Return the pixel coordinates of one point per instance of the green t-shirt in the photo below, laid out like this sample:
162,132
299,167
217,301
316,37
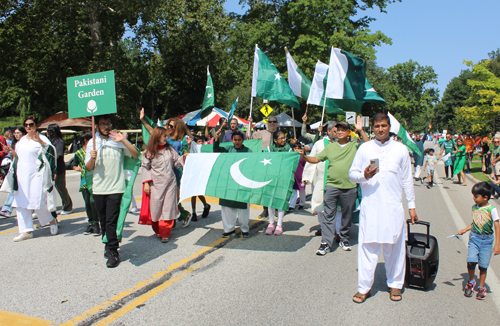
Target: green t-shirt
495,152
109,177
483,218
340,158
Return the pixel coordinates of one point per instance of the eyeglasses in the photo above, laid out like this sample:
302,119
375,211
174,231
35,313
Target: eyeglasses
171,126
496,142
281,138
275,121
106,124
29,125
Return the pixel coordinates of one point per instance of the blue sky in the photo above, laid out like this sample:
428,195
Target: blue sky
437,33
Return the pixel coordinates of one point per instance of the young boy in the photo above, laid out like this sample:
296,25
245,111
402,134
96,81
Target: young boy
79,165
430,161
484,219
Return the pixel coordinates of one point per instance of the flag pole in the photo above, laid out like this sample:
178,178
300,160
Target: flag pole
250,122
323,114
93,132
293,121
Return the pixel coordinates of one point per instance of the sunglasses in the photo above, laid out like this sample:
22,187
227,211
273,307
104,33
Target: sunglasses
496,142
273,121
29,125
171,126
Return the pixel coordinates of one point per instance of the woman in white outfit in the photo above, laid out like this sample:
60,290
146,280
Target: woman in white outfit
34,180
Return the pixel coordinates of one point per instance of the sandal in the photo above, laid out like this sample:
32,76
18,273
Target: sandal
360,297
393,293
165,240
186,221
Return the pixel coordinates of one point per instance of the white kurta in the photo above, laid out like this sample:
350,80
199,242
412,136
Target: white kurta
382,217
30,192
315,175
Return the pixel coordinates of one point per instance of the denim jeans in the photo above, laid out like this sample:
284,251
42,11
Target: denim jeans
8,203
480,249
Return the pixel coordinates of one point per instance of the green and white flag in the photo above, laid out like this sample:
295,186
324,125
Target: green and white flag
403,134
346,80
371,95
255,145
209,99
298,82
317,92
233,109
267,82
256,178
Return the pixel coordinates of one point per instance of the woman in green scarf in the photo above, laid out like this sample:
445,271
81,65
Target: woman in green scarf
458,167
278,145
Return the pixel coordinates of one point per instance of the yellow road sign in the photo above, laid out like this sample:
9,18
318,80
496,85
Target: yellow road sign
265,120
266,110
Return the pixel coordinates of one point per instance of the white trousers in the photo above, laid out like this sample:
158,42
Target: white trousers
295,196
395,263
281,216
418,169
25,220
229,216
337,221
134,203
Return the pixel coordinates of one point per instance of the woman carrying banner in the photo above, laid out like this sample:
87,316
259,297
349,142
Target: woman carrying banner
36,159
278,145
158,177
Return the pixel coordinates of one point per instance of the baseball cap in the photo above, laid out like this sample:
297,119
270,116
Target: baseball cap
343,124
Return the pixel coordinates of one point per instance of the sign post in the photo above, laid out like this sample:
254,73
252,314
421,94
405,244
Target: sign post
91,95
350,117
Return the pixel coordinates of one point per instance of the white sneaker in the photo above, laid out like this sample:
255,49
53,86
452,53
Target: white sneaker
134,210
34,216
66,212
54,229
23,236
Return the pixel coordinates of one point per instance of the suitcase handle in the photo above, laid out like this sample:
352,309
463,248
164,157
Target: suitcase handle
408,222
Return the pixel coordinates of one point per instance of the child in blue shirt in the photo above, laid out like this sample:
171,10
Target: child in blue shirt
484,220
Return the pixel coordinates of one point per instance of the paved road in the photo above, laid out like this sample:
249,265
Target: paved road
200,278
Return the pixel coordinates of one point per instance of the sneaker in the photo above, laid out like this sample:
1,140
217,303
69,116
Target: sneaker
270,229
66,212
96,230
113,259
4,213
228,234
23,236
245,234
481,293
469,288
89,229
345,245
132,210
206,210
264,213
54,229
194,217
317,233
279,230
301,207
291,209
323,249
337,238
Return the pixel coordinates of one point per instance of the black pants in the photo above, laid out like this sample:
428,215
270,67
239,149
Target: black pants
108,209
67,203
90,206
468,162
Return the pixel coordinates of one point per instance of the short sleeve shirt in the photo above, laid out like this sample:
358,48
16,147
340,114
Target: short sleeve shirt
340,160
483,219
109,177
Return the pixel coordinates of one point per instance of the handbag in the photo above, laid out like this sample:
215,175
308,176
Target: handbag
8,181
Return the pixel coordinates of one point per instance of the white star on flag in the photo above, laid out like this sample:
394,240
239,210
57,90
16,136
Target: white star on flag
266,162
209,95
277,76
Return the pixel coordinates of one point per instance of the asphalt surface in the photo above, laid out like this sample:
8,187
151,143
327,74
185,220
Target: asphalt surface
199,278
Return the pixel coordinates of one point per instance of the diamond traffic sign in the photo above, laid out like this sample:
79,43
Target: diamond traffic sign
266,110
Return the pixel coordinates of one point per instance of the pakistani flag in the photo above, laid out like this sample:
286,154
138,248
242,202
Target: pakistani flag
346,80
317,92
209,99
256,178
267,83
403,134
298,82
371,95
233,109
255,145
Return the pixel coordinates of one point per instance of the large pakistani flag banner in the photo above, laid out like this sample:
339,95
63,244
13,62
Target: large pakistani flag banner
209,98
256,178
403,134
298,82
371,94
91,95
317,92
346,80
267,82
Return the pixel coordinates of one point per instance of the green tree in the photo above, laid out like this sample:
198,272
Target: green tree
482,108
408,94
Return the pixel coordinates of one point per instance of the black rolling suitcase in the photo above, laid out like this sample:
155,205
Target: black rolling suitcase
422,258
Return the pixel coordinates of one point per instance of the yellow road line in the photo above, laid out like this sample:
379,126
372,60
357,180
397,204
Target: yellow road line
13,318
146,296
58,218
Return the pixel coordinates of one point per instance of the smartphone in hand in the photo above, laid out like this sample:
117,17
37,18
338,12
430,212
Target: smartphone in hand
374,163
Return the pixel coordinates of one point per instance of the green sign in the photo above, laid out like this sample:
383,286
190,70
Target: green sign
91,95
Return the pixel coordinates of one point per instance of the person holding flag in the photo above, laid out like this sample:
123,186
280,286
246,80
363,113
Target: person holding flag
232,210
158,178
106,161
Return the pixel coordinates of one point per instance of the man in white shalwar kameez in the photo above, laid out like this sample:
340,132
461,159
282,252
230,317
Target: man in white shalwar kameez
382,218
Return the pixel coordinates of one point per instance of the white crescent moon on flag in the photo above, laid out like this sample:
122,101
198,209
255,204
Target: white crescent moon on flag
240,179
